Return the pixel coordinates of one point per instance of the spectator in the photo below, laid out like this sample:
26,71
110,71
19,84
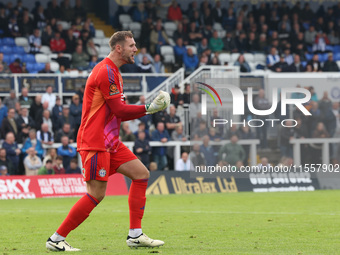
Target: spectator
195,35
147,27
24,99
24,123
310,35
5,66
172,120
176,96
200,131
36,111
195,106
232,152
252,44
57,44
39,18
47,35
159,153
145,66
4,162
56,114
9,124
142,148
75,111
335,146
51,154
11,100
66,151
280,66
174,12
178,134
33,142
79,10
67,12
296,66
15,66
319,132
180,33
262,103
273,57
263,44
143,53
80,59
44,135
66,117
321,40
73,167
47,69
315,63
65,131
93,62
286,134
3,111
243,64
218,12
179,51
187,94
13,29
216,43
58,167
46,119
184,163
139,14
53,10
126,134
4,171
26,25
196,156
70,41
32,162
46,168
157,66
35,41
91,49
208,151
190,61
330,65
229,42
158,37
202,46
12,150
142,127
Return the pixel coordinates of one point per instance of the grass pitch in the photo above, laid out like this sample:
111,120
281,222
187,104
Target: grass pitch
238,223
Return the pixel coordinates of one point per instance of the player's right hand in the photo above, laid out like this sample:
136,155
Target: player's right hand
161,102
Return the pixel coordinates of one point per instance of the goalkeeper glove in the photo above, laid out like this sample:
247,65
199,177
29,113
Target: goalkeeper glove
161,102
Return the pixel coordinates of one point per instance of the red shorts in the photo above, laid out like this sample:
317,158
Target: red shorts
99,165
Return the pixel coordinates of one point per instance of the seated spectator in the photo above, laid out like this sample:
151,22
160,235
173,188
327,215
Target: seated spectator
241,42
190,61
65,117
4,171
176,96
310,35
47,69
196,156
145,66
243,64
9,124
179,51
24,99
13,29
58,167
203,60
159,153
34,41
288,56
51,154
5,162
47,35
139,14
178,134
126,133
208,151
214,61
186,94
47,119
65,131
63,61
231,152
229,42
172,120
66,151
32,162
296,66
174,12
56,113
143,53
91,48
200,131
321,40
273,57
75,111
15,66
195,35
44,135
12,150
216,43
280,66
5,68
11,101
157,66
286,134
47,168
73,167
32,141
57,43
330,65
213,135
142,127
315,63
3,111
142,148
80,58
202,46
158,37
184,163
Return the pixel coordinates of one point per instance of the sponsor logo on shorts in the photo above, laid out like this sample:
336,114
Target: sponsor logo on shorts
83,171
102,172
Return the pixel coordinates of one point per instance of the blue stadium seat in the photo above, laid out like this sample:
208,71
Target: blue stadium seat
7,58
8,41
323,57
309,56
30,67
39,66
28,58
310,49
18,50
6,49
15,56
336,48
329,48
336,56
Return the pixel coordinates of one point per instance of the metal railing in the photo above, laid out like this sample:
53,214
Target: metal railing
323,141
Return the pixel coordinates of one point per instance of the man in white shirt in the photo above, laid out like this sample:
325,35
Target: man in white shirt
49,97
336,146
184,163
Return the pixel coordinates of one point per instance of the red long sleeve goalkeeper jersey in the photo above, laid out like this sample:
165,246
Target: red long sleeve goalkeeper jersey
104,108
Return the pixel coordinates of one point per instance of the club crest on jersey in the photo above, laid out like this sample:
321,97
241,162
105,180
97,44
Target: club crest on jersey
102,172
113,90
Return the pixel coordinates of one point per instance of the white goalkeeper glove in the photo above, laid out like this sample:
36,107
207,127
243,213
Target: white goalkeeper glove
161,102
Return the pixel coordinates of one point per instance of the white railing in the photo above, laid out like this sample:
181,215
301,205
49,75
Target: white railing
325,148
178,144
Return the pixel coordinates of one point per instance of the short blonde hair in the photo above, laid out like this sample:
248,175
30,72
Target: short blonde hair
119,37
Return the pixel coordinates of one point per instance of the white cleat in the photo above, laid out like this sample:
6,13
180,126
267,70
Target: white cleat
143,241
59,246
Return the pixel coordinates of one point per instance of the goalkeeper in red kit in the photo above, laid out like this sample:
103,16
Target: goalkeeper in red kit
101,151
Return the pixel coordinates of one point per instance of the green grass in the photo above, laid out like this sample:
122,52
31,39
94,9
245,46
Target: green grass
238,223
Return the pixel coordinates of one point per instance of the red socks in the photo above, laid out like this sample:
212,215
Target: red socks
78,213
137,202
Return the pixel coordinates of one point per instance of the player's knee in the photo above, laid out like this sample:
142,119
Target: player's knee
147,174
100,197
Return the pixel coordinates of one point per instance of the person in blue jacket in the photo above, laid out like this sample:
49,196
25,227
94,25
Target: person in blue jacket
67,151
190,61
32,141
159,153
